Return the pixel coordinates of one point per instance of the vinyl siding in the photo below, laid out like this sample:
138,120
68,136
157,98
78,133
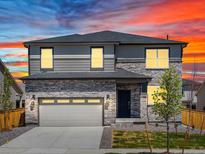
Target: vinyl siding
77,57
71,58
200,98
137,52
64,65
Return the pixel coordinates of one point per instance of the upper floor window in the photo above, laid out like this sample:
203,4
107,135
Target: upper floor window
46,58
157,58
97,58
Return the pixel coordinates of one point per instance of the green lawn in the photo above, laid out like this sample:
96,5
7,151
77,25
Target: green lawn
136,139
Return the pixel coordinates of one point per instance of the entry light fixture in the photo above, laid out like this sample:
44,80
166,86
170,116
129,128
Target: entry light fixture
33,97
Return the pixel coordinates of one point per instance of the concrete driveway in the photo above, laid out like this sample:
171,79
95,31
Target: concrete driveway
57,138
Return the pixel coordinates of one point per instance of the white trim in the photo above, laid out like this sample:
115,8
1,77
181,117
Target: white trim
71,56
34,56
131,58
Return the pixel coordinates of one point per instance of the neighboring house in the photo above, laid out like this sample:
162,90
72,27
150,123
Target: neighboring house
201,98
16,92
96,79
190,88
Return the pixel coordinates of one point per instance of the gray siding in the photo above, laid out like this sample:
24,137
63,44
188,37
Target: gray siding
72,49
138,51
72,58
77,57
200,98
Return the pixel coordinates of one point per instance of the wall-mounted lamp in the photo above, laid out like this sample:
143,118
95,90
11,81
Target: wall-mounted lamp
107,96
33,97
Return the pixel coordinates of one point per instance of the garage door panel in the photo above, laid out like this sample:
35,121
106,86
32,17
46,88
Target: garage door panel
70,115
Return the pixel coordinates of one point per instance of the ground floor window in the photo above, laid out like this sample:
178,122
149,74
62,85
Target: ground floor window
150,92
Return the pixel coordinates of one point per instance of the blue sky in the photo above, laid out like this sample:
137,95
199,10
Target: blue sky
24,20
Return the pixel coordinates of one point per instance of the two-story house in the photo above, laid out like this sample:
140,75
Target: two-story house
97,78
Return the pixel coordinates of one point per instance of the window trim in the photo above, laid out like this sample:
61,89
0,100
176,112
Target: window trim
145,55
96,69
47,69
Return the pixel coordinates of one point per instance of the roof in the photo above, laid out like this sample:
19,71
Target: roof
201,87
106,37
187,82
118,74
15,85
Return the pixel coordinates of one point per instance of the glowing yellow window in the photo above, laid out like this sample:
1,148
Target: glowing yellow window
157,58
150,91
47,58
163,58
78,101
93,100
48,101
96,58
151,58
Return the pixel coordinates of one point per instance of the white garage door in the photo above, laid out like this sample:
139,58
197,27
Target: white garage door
70,112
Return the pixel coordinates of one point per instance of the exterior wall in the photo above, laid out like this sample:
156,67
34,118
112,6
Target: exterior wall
14,96
71,58
138,51
70,88
154,73
135,98
201,98
187,96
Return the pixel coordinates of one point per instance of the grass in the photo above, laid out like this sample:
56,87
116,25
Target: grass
136,139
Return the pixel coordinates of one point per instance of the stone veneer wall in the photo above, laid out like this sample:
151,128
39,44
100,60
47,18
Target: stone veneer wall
70,88
135,98
155,74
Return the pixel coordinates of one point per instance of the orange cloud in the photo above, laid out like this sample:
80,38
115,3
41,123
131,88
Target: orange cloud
197,78
19,74
11,45
169,12
193,57
17,63
22,55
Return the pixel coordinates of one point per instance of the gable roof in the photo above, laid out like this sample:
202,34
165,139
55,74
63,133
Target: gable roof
117,74
15,85
106,37
187,84
201,88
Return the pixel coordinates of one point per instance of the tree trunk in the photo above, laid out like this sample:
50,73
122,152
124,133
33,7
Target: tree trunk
167,136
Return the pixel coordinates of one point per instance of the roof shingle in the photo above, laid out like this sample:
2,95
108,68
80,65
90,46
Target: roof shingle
118,74
106,36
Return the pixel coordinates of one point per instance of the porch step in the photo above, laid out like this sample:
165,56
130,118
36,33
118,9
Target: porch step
127,122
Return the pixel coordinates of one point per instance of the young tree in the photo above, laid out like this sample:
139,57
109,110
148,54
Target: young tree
5,95
167,98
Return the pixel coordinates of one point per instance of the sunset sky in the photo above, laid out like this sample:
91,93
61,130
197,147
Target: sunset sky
24,20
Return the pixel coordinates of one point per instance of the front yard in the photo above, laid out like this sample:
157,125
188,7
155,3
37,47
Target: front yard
137,139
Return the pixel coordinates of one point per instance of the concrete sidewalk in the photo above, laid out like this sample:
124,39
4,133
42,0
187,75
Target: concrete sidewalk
87,151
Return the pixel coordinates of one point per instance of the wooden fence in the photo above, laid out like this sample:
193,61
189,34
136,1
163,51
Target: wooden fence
15,118
197,119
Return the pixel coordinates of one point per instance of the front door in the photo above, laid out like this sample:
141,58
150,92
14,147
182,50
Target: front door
123,103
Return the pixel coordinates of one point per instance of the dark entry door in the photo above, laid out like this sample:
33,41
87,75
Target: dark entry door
123,103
